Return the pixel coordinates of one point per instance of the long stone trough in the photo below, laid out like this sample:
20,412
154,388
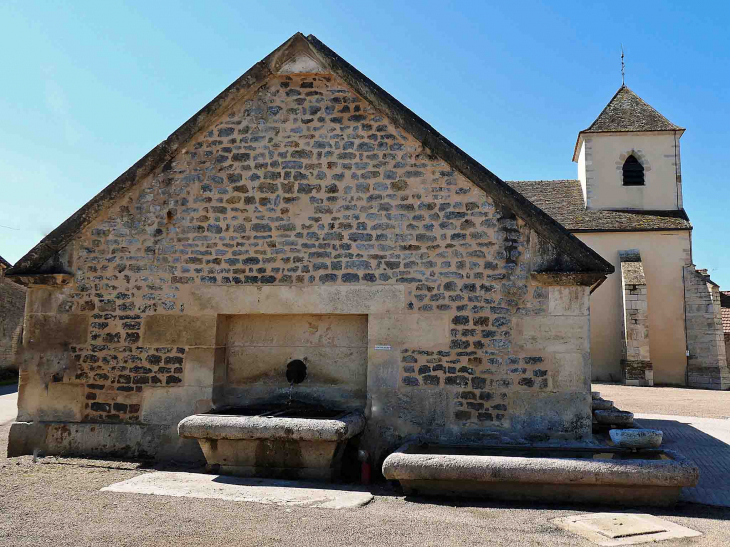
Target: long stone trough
586,475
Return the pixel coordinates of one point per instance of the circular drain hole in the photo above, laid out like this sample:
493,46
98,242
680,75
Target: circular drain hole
296,371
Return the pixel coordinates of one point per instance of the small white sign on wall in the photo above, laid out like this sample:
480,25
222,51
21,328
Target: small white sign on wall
378,346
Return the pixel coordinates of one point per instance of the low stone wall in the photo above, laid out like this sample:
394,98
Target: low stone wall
12,308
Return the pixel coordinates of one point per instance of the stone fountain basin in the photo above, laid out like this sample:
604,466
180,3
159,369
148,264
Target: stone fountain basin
276,443
585,475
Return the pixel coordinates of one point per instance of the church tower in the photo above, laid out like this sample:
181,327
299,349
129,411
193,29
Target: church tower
628,159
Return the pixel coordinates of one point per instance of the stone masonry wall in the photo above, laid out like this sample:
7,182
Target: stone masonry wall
304,199
707,362
12,307
636,364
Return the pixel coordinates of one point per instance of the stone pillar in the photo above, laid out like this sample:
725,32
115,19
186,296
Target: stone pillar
707,365
636,366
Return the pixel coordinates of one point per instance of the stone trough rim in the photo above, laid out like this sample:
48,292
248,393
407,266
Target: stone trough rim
232,427
679,471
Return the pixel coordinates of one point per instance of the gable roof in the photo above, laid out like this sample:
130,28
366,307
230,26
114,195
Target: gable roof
4,263
308,54
563,200
627,112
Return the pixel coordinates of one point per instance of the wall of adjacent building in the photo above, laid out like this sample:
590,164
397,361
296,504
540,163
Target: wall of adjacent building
664,255
707,362
600,171
12,306
303,200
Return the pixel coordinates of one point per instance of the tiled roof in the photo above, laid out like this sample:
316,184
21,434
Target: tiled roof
626,111
4,263
725,303
563,200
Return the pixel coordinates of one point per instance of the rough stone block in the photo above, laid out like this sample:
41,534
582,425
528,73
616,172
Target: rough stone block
179,330
169,405
44,299
383,368
56,401
569,300
48,330
559,334
566,415
111,440
409,330
297,300
572,371
200,367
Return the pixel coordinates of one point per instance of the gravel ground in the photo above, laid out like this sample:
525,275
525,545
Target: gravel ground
667,400
56,501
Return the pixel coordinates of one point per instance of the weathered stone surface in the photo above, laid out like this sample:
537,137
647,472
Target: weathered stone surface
266,491
626,528
602,404
221,426
707,363
619,418
53,402
566,335
48,330
160,442
12,306
569,301
179,330
409,330
636,438
675,472
166,405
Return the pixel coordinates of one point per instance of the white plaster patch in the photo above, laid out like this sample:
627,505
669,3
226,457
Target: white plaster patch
614,529
267,491
301,64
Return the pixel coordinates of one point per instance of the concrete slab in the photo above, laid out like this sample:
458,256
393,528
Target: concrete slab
8,404
267,491
615,529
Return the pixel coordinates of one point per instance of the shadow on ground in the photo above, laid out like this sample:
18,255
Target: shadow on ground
711,455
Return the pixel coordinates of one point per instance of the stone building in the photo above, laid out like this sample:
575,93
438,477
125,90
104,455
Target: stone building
654,322
305,214
725,313
12,308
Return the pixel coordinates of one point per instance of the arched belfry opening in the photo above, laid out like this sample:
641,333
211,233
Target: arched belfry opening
633,172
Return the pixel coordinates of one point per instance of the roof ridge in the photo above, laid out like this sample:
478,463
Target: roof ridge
586,259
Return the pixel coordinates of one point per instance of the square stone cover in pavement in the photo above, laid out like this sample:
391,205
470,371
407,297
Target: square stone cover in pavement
269,491
612,529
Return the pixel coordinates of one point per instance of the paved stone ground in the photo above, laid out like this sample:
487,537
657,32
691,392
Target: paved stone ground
706,441
694,423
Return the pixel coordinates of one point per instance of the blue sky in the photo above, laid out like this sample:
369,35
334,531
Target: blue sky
90,87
